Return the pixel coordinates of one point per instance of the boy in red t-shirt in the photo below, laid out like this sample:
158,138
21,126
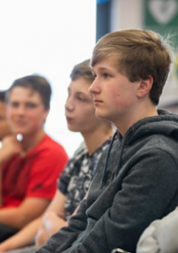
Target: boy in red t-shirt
30,161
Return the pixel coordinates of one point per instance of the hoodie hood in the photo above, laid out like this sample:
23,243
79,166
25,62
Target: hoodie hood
165,123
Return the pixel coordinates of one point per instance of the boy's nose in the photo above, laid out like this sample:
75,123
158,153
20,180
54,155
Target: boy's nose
94,88
20,110
69,105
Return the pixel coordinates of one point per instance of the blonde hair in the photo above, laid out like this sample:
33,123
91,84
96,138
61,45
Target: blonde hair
138,54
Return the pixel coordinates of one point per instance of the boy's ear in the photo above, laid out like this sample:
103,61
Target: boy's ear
144,87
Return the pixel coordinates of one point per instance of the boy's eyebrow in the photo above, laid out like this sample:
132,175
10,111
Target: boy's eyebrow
80,93
104,68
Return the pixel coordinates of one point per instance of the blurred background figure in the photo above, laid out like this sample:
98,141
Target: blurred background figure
29,165
4,127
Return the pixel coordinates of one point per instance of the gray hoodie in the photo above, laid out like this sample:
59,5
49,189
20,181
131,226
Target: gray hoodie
136,182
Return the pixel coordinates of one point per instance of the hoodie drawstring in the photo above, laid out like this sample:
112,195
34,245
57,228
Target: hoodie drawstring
104,178
107,160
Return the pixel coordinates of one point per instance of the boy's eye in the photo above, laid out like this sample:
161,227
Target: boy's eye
106,75
14,104
81,99
30,105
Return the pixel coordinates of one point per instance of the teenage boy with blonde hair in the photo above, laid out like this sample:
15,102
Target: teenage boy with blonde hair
136,180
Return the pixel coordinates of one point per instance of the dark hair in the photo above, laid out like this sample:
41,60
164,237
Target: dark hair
82,70
36,83
3,96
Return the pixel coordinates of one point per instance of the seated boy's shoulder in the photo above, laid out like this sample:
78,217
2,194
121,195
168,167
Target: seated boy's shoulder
50,144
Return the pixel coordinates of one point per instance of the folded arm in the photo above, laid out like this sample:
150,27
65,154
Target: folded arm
18,217
23,238
53,219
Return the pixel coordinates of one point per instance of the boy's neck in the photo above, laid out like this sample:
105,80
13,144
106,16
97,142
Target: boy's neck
95,139
144,111
30,141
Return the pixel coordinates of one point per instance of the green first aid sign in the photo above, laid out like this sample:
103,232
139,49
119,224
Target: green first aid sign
162,16
161,13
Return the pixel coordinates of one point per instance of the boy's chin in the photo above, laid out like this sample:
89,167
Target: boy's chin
99,115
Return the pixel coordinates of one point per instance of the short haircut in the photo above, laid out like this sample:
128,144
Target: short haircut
82,70
35,83
138,54
2,96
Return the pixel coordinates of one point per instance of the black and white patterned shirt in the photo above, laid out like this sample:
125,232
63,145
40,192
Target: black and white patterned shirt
77,175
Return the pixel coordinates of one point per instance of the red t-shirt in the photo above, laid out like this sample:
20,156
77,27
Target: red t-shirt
35,175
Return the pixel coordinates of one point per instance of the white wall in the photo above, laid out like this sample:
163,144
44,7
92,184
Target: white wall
126,14
47,37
